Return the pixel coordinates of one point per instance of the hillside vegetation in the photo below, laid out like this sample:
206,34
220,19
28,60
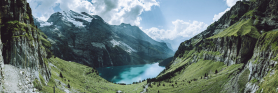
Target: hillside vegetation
237,53
75,77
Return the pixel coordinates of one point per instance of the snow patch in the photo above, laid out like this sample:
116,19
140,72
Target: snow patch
71,16
43,24
76,23
122,45
115,43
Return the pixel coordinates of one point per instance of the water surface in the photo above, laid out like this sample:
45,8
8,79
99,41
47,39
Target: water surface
130,73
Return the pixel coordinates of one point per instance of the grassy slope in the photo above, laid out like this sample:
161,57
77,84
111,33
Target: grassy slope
82,78
270,83
214,83
269,39
242,28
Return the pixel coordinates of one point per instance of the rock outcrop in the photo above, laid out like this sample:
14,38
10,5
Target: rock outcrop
21,45
87,39
1,57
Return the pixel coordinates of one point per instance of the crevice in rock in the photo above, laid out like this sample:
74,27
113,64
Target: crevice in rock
239,45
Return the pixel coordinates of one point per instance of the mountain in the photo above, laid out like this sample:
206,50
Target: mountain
169,45
166,62
88,39
28,65
237,53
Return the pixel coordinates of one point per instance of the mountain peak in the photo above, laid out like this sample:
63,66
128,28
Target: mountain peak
124,24
77,19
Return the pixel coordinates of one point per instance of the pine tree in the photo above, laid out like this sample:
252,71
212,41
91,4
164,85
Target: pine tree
61,75
68,85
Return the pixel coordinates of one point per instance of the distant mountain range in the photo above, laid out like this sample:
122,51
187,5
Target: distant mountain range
89,40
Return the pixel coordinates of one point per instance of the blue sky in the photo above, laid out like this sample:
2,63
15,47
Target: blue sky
162,16
171,10
172,21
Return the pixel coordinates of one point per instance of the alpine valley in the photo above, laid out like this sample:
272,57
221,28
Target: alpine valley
87,39
236,54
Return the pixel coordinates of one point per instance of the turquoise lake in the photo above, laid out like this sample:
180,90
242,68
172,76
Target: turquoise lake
130,73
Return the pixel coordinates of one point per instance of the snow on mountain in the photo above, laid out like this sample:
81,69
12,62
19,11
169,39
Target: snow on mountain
89,40
123,45
75,18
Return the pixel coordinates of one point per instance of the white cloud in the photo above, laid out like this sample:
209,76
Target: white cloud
229,3
218,16
181,29
43,8
112,11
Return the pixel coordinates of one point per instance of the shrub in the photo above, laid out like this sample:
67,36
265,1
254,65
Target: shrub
26,17
61,75
37,84
68,85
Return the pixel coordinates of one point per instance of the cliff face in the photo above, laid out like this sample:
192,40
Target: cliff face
227,46
87,39
21,45
234,36
1,57
244,39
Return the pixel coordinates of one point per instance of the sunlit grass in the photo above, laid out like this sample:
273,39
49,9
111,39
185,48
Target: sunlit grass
82,78
242,28
214,83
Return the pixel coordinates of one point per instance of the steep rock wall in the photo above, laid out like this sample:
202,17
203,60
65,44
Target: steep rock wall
265,55
1,57
227,20
230,50
22,46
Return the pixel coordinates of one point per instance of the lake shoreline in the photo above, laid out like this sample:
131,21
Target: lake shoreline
130,73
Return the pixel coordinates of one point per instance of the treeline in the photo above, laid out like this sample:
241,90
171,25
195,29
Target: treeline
130,84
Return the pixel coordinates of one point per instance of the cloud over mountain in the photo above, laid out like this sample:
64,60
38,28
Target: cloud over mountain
112,11
229,3
181,29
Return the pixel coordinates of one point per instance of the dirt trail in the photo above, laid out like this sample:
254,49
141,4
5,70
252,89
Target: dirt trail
145,89
11,78
17,80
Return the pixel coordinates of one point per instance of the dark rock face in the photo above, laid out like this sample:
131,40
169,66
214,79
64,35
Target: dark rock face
166,61
87,39
21,45
233,50
1,56
264,56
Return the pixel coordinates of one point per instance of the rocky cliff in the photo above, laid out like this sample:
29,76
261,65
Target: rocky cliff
87,39
21,47
243,41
